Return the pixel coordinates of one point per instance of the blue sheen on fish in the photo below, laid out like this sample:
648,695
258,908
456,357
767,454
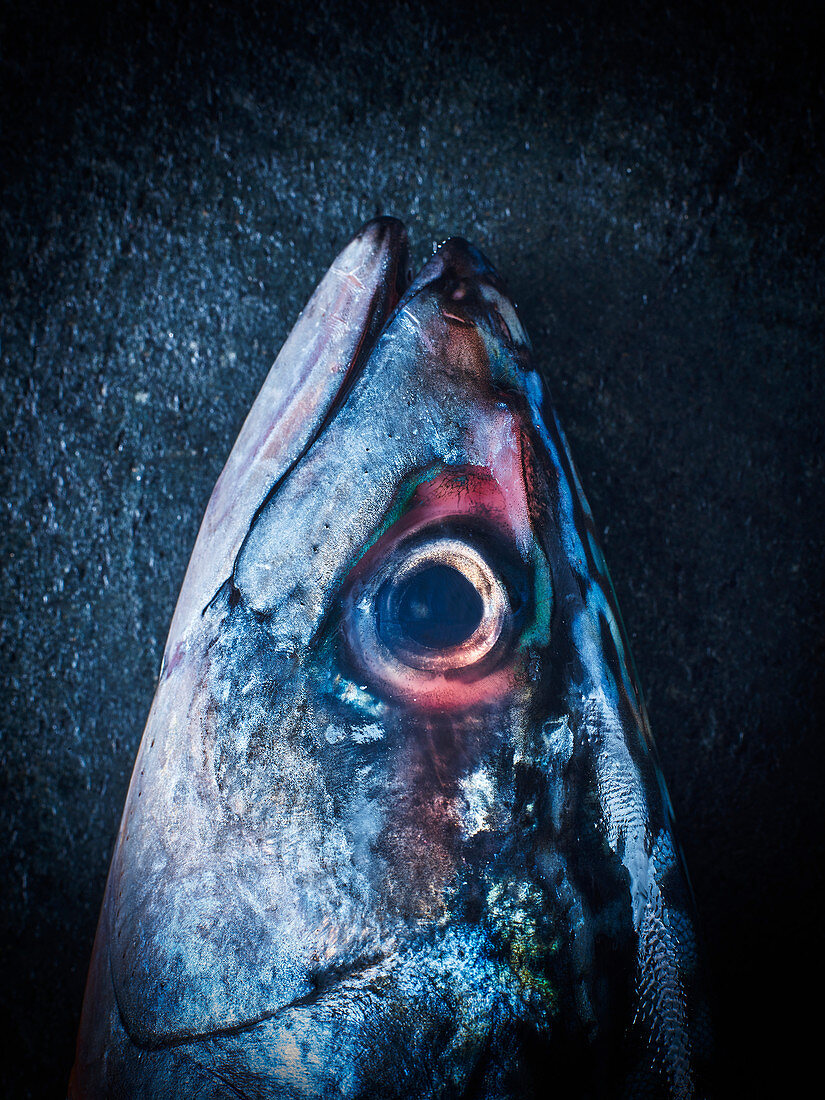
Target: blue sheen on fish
396,827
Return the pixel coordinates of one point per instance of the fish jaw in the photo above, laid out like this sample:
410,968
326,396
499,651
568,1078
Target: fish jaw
322,840
321,356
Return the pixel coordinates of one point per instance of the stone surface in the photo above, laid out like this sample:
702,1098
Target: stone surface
177,177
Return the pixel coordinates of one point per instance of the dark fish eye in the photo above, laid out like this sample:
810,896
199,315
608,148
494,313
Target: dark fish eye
434,607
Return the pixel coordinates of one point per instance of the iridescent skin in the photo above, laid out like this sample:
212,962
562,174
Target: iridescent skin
348,868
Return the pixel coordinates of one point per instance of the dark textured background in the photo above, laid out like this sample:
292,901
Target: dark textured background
176,177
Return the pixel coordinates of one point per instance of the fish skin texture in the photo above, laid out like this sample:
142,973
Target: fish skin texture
350,867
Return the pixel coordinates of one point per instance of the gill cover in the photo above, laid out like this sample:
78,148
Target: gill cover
396,828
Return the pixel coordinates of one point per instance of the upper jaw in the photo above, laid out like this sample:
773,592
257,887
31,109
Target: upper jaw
311,376
470,292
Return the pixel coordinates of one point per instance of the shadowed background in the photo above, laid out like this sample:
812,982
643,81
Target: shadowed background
177,177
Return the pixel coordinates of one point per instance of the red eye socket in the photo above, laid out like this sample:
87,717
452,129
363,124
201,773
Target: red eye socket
431,615
428,624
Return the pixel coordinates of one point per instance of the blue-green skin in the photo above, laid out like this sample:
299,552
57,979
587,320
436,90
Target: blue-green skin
329,892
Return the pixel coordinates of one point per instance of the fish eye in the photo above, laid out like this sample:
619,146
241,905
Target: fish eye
440,607
428,620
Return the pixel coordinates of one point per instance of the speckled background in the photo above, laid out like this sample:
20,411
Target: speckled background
176,177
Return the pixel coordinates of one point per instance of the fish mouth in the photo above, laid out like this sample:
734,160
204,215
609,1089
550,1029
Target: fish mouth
458,258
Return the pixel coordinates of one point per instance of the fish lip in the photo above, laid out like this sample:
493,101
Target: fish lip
390,232
317,366
386,226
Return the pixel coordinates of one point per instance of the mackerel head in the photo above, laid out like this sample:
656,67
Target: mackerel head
396,827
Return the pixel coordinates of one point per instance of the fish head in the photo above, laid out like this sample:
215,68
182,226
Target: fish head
396,827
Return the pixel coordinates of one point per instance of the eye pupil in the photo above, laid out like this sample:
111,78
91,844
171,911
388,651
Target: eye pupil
433,608
436,607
